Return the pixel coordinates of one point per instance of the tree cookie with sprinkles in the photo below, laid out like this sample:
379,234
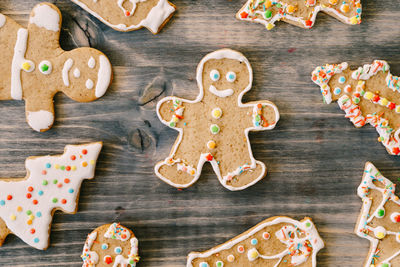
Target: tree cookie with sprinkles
302,13
277,241
214,127
368,95
130,15
35,67
52,183
379,220
110,245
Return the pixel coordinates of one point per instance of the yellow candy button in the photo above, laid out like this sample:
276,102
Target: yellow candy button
369,95
216,113
270,26
211,144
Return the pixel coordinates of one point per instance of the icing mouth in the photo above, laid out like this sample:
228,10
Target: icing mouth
220,93
103,76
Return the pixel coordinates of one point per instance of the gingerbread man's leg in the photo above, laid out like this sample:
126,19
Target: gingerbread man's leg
4,231
39,112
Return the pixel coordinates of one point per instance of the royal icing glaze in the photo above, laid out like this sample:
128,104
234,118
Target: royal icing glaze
355,92
303,13
39,120
301,239
90,258
369,225
156,17
52,183
45,16
179,109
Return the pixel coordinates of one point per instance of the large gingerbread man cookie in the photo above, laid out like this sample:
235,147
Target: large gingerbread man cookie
368,95
379,220
275,242
52,183
214,127
34,66
130,15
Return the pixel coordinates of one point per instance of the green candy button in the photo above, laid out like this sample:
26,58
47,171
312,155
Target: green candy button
268,14
381,213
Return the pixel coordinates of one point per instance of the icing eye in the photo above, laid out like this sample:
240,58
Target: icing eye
231,76
118,250
104,246
45,67
214,75
342,80
337,91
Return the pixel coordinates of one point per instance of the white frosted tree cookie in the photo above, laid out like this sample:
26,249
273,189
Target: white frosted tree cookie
302,13
52,183
130,15
35,67
368,95
111,245
379,220
277,241
214,127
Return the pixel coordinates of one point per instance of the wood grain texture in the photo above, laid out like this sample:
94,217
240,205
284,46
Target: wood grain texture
315,157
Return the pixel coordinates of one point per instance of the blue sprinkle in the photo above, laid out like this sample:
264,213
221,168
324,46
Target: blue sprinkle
48,165
254,241
2,202
40,192
70,190
36,240
38,214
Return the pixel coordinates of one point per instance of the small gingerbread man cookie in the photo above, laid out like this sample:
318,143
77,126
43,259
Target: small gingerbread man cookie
275,242
379,220
302,13
214,127
110,245
27,204
35,67
368,95
130,15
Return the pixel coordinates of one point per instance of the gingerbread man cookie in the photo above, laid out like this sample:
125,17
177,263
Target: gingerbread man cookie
302,13
368,94
214,127
110,245
52,183
35,67
130,15
277,241
379,220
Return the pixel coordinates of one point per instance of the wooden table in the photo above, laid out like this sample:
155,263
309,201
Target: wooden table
315,156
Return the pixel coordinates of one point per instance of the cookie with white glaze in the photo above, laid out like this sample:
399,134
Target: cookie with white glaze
302,13
379,220
111,245
52,183
34,66
214,127
367,95
275,242
130,15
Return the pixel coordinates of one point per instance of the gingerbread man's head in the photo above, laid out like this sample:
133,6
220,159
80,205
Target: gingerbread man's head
218,75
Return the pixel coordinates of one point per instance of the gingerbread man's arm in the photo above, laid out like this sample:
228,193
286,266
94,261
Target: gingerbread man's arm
171,111
262,115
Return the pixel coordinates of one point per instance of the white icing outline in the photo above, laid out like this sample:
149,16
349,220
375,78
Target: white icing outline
65,71
2,20
388,193
87,250
103,76
313,236
219,54
155,18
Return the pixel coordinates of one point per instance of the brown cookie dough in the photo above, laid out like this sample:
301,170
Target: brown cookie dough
110,245
379,220
277,241
130,15
214,127
368,95
35,67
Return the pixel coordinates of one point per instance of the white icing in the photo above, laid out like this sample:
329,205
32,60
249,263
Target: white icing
121,260
133,3
155,18
91,63
89,257
46,168
219,54
77,73
65,71
2,20
214,75
89,84
114,234
371,173
393,216
220,93
103,76
17,62
48,63
40,120
311,236
46,17
231,76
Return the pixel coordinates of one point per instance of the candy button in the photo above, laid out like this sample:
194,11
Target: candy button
104,246
395,217
253,254
28,66
214,129
337,91
380,232
254,241
211,144
204,264
266,235
342,79
290,9
240,249
219,264
369,95
216,113
108,259
333,2
45,67
268,14
270,26
380,213
230,258
345,8
118,250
